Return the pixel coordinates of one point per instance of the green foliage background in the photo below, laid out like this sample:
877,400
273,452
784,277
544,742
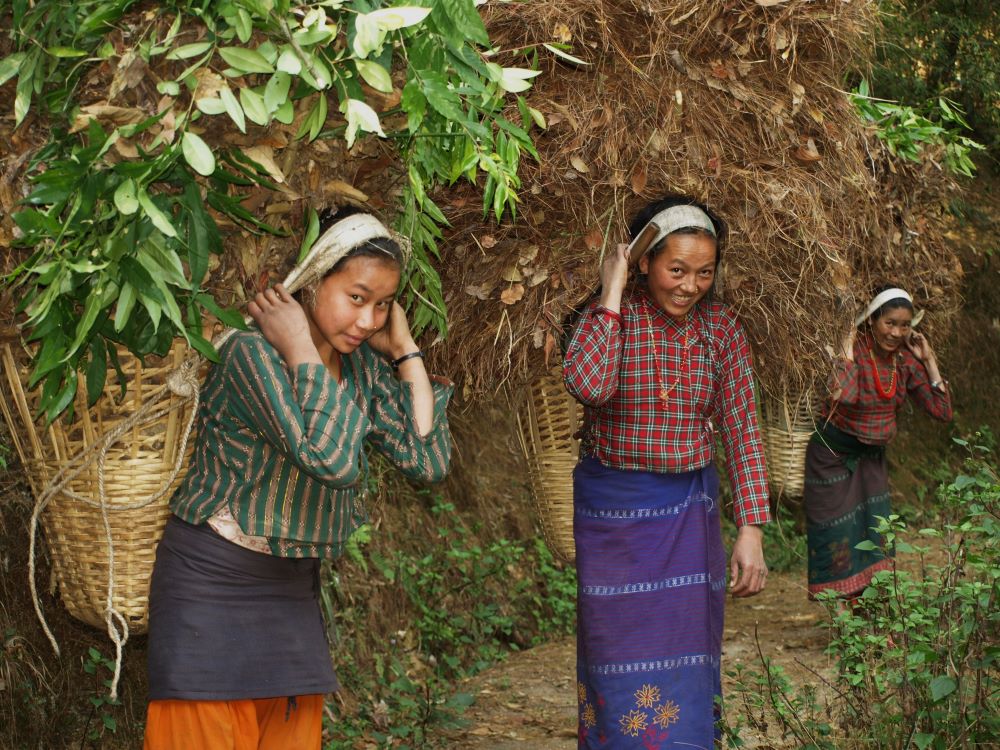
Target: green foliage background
943,48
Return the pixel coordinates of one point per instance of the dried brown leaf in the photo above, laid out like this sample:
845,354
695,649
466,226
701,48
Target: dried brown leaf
639,178
512,294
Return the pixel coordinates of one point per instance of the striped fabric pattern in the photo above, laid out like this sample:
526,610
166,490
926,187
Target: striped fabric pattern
860,410
611,368
283,449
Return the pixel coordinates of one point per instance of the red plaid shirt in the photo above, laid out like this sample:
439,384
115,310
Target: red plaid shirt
610,367
862,412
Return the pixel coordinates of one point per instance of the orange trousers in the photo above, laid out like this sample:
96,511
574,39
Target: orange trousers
263,724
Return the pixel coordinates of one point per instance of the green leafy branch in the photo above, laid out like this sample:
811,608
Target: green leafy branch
906,132
121,222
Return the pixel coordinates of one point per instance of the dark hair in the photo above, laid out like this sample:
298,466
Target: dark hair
383,248
894,304
642,218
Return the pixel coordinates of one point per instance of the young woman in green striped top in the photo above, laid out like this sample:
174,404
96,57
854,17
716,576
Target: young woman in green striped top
238,656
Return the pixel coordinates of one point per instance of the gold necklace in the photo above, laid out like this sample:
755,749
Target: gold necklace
664,392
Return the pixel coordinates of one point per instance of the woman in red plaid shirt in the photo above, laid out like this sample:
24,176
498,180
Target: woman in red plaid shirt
847,483
660,367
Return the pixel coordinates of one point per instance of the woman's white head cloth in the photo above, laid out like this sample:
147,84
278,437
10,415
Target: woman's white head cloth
669,220
880,299
335,243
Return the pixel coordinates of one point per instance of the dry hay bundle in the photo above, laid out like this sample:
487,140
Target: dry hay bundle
738,104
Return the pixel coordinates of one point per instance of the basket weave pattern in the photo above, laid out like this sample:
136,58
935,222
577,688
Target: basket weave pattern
136,468
787,424
547,420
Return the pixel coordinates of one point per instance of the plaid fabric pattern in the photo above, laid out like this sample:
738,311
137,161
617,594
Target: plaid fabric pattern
860,410
611,368
283,448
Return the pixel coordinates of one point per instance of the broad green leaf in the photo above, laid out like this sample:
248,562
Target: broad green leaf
289,62
375,75
517,79
285,114
564,55
269,51
198,154
123,309
312,232
160,220
368,37
276,91
246,60
187,51
211,105
460,21
58,404
228,316
90,310
125,198
442,97
360,117
253,105
25,86
154,308
97,370
162,264
65,52
316,73
316,35
941,687
233,108
538,117
243,25
10,66
414,103
170,88
391,19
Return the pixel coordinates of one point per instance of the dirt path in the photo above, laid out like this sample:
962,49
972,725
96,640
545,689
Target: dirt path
529,701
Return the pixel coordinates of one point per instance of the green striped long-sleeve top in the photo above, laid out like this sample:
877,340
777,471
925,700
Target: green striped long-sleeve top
283,448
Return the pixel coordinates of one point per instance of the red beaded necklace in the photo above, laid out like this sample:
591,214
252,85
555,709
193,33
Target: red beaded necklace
885,394
665,391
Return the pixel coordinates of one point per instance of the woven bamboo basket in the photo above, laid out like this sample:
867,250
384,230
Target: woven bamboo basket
547,420
787,424
136,468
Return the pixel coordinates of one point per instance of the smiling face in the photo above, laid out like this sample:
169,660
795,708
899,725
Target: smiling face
891,330
681,273
353,303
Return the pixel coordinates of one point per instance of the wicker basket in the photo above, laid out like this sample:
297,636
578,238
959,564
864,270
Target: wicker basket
787,425
546,420
136,468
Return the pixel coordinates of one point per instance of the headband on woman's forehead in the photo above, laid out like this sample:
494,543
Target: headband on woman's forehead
880,299
334,244
669,220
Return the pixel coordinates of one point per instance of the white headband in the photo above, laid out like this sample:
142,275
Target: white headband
333,245
669,220
880,299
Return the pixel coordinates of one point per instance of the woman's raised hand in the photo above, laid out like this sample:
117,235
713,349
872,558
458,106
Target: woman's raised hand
284,324
847,346
920,346
614,276
394,338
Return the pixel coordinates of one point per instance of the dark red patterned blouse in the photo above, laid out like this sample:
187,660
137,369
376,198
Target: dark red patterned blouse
612,367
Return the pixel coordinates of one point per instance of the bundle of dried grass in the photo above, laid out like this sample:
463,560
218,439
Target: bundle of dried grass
739,104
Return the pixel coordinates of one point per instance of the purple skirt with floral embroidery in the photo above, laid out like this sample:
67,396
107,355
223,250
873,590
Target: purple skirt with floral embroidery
651,591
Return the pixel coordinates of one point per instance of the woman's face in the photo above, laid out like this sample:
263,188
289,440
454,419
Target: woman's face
892,329
354,302
681,273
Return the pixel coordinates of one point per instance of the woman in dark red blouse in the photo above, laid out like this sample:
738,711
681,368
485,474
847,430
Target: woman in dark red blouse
847,482
660,367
